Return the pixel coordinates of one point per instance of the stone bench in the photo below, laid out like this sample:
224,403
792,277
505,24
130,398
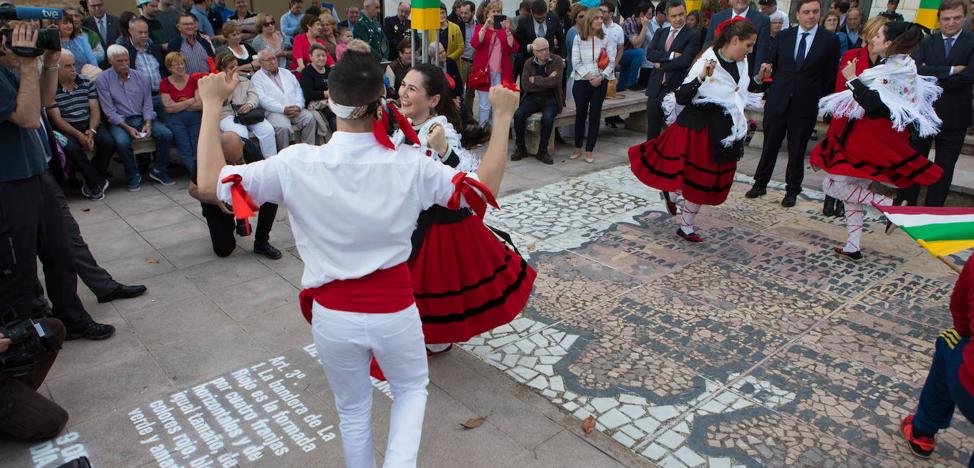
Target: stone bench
627,103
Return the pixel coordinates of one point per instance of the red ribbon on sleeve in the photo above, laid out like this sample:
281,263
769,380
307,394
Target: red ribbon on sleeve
474,191
380,127
243,206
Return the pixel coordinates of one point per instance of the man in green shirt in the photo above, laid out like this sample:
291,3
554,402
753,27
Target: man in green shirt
369,29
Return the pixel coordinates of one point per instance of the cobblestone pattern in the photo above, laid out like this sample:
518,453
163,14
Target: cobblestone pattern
758,347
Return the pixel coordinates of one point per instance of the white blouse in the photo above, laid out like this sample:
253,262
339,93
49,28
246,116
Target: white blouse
585,57
352,203
469,162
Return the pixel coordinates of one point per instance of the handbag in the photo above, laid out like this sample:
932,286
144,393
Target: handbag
603,61
478,78
251,117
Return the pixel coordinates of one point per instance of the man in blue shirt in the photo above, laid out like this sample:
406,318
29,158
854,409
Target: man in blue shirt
291,20
199,10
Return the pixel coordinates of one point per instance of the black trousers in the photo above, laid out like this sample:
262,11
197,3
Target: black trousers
95,170
222,227
654,116
31,226
798,128
588,103
949,143
532,104
26,414
99,281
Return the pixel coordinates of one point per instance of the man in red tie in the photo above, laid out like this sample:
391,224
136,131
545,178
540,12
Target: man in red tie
671,54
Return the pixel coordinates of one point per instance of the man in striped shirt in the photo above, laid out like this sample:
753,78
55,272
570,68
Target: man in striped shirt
77,115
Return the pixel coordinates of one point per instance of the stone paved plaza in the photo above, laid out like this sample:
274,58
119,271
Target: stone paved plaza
759,347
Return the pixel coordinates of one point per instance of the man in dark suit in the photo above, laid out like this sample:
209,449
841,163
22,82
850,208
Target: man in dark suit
949,56
540,23
671,53
761,23
803,65
101,22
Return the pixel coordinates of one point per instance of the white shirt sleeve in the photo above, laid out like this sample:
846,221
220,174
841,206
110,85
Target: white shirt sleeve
297,95
610,47
263,180
268,97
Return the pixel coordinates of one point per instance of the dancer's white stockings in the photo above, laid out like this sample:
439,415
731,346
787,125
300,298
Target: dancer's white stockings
854,192
687,215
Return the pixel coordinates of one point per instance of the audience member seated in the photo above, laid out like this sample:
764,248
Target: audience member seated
107,26
125,96
94,40
148,9
220,220
283,103
243,100
168,17
291,19
200,13
245,55
77,43
146,57
244,19
541,92
272,39
396,70
302,42
197,49
181,102
314,87
76,115
123,28
344,37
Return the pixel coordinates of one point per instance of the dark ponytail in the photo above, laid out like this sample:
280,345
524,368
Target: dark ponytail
435,84
904,37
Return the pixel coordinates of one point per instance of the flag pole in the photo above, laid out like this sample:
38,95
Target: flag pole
949,265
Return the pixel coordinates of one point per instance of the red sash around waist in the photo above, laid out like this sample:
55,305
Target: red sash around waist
380,292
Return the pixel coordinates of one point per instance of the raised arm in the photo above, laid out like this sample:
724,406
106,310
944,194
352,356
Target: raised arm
491,171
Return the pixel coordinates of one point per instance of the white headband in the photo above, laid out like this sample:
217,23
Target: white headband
350,112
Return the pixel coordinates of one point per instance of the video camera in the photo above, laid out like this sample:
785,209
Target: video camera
25,337
47,38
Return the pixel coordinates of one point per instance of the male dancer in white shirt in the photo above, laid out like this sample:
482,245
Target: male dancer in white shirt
353,204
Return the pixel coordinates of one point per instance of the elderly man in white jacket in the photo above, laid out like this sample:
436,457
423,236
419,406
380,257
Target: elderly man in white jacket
283,103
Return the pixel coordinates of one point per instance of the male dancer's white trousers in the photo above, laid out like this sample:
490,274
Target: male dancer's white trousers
346,342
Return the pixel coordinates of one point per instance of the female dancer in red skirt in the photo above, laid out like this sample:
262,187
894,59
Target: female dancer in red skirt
697,156
460,292
868,139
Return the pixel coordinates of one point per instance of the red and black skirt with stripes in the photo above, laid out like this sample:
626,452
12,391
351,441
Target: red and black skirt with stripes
870,148
683,160
466,281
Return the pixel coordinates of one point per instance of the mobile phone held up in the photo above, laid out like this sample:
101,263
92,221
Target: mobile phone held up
498,19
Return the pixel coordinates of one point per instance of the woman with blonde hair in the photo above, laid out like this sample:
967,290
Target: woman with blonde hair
865,58
329,34
244,54
268,37
493,44
180,100
593,60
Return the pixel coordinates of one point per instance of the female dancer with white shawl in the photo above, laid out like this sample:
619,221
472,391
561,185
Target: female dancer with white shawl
697,156
460,291
874,144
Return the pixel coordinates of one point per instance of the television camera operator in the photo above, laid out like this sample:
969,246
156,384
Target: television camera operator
29,221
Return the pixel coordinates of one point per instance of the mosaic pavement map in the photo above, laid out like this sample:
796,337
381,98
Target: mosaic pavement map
759,347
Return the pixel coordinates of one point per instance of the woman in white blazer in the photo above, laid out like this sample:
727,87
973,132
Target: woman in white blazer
593,60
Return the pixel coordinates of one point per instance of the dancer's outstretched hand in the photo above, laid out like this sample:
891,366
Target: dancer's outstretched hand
504,101
216,89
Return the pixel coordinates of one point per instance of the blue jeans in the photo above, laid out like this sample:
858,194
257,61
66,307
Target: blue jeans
943,391
157,107
185,128
632,59
123,145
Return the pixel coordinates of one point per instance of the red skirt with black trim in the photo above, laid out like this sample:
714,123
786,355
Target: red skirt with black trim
465,280
681,160
873,149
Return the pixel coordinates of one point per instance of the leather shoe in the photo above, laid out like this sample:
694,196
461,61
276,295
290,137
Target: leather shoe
266,249
756,192
519,154
544,157
91,331
839,209
123,292
828,208
789,200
